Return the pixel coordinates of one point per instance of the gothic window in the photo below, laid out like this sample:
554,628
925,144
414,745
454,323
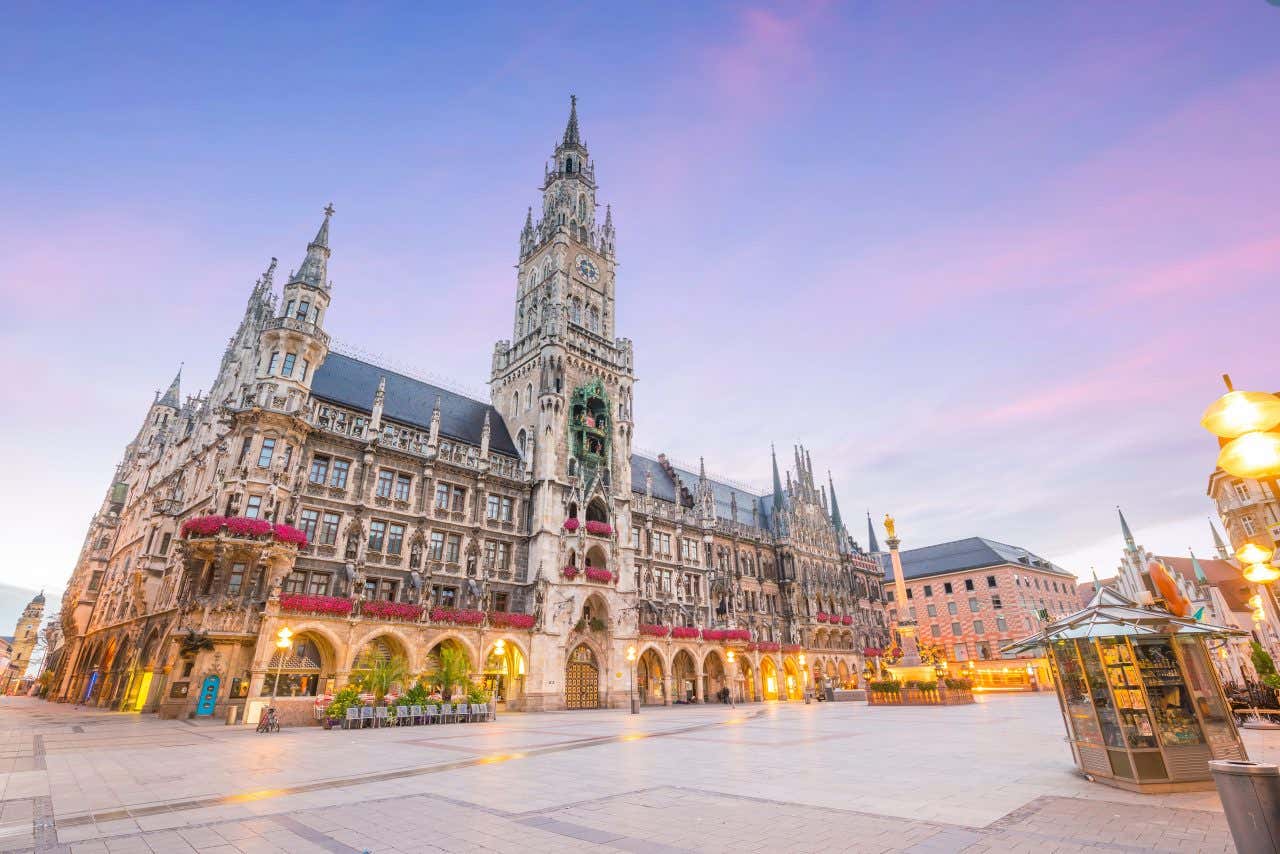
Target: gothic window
575,311
593,318
582,207
528,397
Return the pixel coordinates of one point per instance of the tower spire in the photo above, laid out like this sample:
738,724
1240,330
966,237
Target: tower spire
836,521
1218,544
571,136
872,545
1124,529
314,270
172,395
777,481
1201,578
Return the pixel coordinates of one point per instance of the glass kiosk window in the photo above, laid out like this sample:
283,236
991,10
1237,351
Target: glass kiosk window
1204,693
1170,699
1126,687
1106,711
1084,726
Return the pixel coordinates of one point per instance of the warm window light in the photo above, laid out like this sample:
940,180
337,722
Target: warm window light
1254,455
1261,573
1253,553
1240,412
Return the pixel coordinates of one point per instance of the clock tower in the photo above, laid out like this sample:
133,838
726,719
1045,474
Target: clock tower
563,384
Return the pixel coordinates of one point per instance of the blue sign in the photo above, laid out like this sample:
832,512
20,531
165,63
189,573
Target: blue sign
208,696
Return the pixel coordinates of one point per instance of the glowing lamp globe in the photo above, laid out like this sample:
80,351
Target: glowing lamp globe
1261,573
1240,412
1253,455
1253,553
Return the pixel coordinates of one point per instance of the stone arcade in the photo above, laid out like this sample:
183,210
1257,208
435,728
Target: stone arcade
432,518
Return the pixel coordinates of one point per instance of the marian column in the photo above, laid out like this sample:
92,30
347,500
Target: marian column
906,625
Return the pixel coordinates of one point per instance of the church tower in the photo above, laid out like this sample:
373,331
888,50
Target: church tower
563,384
25,637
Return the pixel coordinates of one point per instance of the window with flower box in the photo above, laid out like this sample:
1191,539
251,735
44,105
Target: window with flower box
329,529
445,597
318,584
296,582
253,507
340,471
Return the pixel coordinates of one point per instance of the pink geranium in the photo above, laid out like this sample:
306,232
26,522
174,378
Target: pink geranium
600,529
654,631
571,524
510,620
599,576
289,534
822,617
457,616
847,620
569,572
684,632
305,604
391,610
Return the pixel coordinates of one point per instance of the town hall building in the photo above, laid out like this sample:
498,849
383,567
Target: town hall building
375,514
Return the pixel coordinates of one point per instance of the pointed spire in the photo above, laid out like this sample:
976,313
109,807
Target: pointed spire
485,433
528,221
777,481
315,267
1097,585
1201,578
1218,544
608,217
872,545
171,397
571,129
836,521
1124,528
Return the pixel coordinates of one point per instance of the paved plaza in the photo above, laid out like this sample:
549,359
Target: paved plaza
995,776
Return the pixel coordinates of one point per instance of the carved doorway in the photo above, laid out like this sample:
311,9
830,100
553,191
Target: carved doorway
582,680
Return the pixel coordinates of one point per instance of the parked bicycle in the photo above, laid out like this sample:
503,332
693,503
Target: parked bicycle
269,722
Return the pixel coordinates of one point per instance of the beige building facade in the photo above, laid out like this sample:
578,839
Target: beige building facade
373,514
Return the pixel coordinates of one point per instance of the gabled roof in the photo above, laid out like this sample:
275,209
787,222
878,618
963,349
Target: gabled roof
967,554
351,382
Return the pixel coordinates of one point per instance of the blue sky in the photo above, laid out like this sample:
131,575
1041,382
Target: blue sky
987,261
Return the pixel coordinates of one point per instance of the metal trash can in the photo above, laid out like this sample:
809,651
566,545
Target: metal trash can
1250,793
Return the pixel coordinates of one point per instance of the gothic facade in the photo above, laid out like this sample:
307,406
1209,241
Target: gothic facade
525,531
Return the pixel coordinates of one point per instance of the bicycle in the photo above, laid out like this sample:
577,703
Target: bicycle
269,722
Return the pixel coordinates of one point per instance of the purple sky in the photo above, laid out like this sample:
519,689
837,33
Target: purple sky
986,261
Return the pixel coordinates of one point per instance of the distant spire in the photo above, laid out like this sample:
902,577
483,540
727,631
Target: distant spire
528,220
315,267
777,481
608,217
1124,528
571,130
836,521
1201,578
872,545
1218,544
1097,585
171,397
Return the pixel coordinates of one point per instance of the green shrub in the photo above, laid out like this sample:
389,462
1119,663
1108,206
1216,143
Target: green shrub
957,684
1265,667
927,686
888,686
476,694
343,700
418,695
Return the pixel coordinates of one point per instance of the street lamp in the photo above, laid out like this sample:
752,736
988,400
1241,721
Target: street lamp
631,671
728,677
284,641
1257,563
1245,423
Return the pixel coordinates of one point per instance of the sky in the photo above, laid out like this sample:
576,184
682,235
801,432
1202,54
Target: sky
987,261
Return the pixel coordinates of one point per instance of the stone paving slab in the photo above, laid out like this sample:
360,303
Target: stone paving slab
995,776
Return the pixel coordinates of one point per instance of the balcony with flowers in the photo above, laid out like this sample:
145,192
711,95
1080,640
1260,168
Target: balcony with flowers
326,606
202,535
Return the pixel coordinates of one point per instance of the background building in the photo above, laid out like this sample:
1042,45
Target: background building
971,597
434,519
26,636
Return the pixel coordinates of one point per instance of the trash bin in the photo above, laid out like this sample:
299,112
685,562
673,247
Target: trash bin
1250,793
233,712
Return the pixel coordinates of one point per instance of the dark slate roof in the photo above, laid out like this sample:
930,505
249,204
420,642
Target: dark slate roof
351,382
966,554
722,493
663,487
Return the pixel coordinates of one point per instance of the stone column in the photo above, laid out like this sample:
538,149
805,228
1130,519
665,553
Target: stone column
906,626
666,689
699,691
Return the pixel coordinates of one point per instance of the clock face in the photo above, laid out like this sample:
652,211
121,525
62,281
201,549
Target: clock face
587,269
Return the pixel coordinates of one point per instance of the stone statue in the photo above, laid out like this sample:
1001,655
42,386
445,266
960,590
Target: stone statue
889,527
539,601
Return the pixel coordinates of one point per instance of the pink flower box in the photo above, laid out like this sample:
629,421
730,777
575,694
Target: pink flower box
767,646
654,631
571,524
299,603
569,572
600,529
242,526
791,647
510,620
391,610
737,634
457,616
599,576
873,652
847,620
685,632
822,618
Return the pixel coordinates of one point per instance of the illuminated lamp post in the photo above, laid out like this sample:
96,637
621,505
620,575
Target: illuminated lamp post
284,641
804,678
729,678
631,671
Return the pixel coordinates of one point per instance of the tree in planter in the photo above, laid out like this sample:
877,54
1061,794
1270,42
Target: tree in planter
1264,666
449,668
383,675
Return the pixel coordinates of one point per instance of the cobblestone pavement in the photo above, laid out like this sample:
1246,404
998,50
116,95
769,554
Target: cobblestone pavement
995,776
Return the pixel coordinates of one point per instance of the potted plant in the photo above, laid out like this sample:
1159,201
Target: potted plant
449,668
336,711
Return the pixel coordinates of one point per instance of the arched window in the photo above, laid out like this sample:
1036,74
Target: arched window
528,397
593,318
575,311
582,207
